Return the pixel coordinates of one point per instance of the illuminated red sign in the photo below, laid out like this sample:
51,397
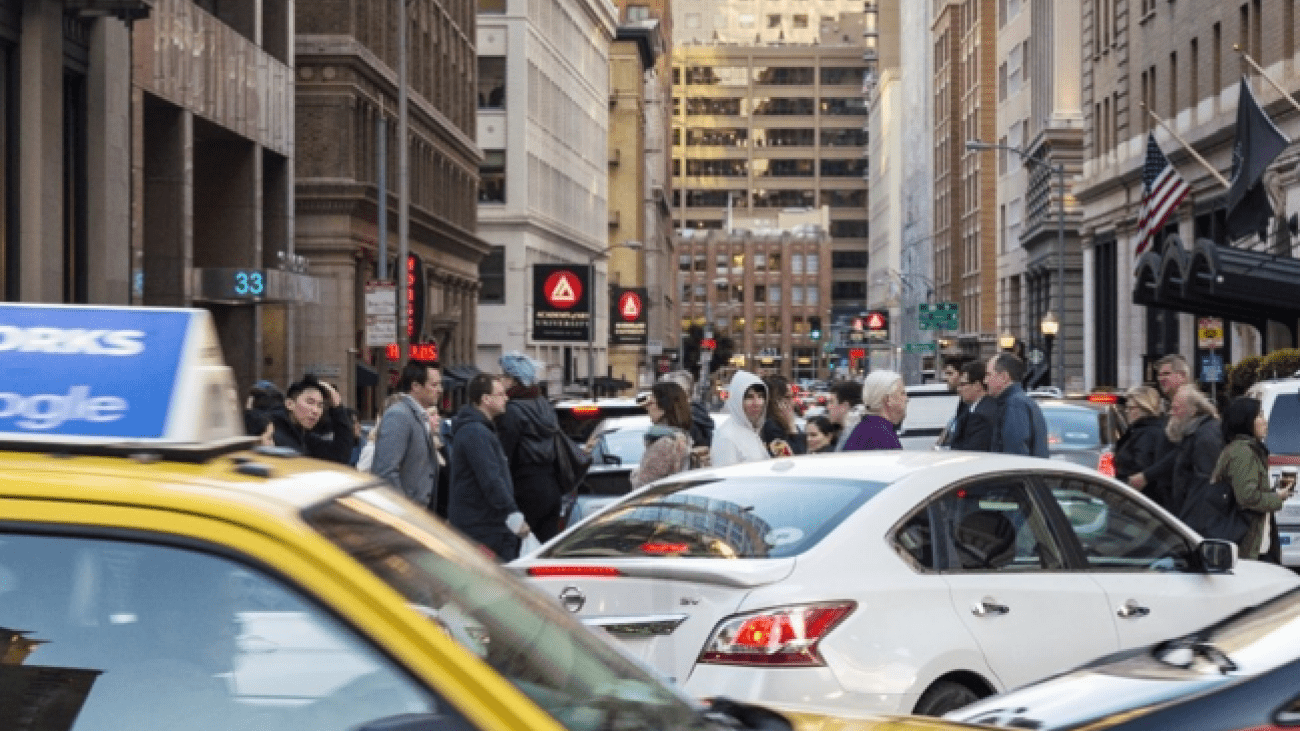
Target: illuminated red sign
629,306
563,289
857,353
427,352
875,321
709,344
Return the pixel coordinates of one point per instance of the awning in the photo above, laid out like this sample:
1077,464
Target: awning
1240,285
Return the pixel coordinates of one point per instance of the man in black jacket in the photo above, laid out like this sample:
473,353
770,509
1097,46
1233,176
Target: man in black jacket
305,403
973,430
482,500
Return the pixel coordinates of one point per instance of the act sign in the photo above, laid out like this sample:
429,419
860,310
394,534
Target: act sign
1209,333
561,302
627,323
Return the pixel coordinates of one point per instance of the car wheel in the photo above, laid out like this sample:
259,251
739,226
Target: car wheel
942,697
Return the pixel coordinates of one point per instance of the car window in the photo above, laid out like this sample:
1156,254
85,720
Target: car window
147,637
1069,428
754,517
585,683
626,444
994,525
1117,532
1284,425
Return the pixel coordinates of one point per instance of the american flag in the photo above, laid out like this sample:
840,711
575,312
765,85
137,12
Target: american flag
1162,190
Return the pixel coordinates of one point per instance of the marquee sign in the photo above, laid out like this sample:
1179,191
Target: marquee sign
561,302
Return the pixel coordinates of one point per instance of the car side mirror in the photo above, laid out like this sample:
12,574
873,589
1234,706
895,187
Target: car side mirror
1217,556
611,458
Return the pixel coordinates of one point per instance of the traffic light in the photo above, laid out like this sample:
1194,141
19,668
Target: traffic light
878,321
815,327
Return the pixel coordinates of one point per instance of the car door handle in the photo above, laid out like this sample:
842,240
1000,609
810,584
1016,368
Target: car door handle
987,608
1132,610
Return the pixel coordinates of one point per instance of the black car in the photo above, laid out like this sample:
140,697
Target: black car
1240,673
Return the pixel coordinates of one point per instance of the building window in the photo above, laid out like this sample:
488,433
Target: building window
796,264
810,263
494,7
637,12
774,20
848,259
492,274
800,20
492,177
492,82
684,263
848,291
760,293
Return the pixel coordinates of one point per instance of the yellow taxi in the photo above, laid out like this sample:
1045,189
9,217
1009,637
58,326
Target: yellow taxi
159,574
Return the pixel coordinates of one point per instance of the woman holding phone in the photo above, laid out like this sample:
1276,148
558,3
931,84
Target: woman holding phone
1243,463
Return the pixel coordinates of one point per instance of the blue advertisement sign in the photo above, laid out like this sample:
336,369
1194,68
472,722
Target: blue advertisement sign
1212,368
78,371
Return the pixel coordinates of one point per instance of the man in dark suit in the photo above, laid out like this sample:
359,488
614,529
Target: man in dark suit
951,375
974,429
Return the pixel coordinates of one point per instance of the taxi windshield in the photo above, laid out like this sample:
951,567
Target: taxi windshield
580,680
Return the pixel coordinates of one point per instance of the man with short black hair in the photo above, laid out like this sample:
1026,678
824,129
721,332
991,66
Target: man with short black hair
844,407
405,454
482,501
974,429
305,403
1020,427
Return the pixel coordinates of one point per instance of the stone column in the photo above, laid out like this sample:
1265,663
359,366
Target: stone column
40,151
108,87
167,206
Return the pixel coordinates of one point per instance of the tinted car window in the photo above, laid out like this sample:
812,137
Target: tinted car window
1070,428
1117,532
995,526
729,518
1284,424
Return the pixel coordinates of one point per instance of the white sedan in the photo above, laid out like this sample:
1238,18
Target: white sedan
891,582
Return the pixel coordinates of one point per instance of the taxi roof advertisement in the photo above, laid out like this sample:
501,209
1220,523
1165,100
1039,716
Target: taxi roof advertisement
76,373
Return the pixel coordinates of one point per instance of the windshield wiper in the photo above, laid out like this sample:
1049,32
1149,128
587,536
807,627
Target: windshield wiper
1196,646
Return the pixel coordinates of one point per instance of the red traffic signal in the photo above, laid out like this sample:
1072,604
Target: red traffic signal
877,321
709,344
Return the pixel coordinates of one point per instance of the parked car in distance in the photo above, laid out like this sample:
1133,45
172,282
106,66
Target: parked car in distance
580,417
1084,430
1239,673
891,581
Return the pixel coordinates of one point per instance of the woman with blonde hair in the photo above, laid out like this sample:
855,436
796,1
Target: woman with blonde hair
1144,441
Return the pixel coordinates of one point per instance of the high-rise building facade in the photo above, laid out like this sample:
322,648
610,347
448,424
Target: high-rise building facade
758,129
543,126
1179,62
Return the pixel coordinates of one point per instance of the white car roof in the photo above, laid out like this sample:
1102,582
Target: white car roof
892,465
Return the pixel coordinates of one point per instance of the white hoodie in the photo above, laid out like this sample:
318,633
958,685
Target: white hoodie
737,439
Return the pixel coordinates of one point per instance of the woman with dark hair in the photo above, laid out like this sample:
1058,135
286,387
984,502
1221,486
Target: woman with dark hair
668,440
1244,465
780,432
822,434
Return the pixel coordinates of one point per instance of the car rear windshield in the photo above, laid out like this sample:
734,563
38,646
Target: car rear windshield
1284,425
1071,429
752,517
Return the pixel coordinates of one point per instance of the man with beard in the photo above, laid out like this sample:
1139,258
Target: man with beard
1197,437
952,370
1172,373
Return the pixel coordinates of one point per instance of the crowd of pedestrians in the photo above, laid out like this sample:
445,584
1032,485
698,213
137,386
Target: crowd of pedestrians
493,472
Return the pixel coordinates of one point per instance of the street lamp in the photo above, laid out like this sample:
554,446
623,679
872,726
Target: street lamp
1006,341
591,319
1049,327
1059,169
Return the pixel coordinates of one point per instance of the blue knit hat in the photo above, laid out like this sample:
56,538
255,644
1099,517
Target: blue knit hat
519,367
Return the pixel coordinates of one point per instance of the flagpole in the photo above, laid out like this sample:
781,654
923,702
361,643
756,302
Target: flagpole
1188,147
1267,78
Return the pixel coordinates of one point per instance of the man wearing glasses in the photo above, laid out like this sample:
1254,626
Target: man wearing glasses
974,430
482,500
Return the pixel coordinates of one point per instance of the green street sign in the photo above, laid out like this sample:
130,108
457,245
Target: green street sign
939,316
918,348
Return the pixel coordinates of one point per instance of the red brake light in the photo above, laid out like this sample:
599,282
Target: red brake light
590,571
586,412
1106,464
1103,398
784,636
664,548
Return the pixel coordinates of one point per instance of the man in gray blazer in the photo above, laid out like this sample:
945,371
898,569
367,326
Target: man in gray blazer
404,451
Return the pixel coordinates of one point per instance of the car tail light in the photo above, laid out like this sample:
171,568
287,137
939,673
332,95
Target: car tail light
586,412
588,571
665,548
783,636
1106,464
1103,398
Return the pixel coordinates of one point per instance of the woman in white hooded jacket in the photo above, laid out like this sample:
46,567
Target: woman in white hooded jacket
737,440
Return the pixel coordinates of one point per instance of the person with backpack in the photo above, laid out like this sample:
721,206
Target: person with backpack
527,432
1243,464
